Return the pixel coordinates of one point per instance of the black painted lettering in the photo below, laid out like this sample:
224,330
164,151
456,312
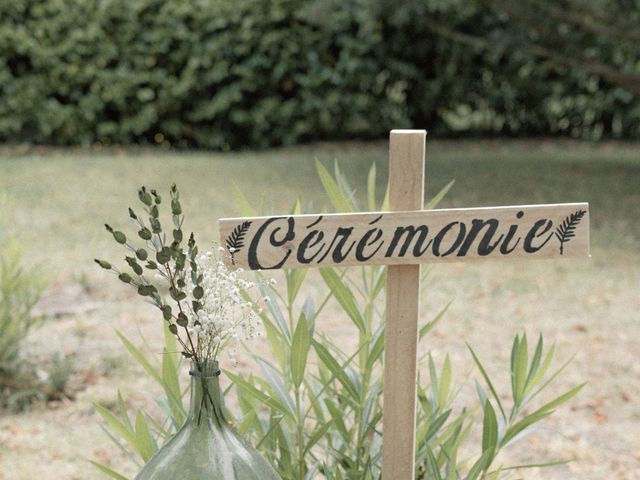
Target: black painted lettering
339,239
504,248
418,249
437,241
311,240
533,234
484,247
365,242
338,255
252,254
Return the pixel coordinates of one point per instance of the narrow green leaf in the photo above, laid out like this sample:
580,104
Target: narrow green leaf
344,296
294,278
122,445
141,359
243,205
317,436
336,196
274,309
249,422
536,465
551,378
144,442
300,350
488,381
273,426
171,344
445,381
425,329
337,415
539,414
262,397
377,347
535,365
171,386
561,399
514,357
335,368
325,383
433,377
296,209
160,431
371,188
494,475
272,378
385,200
345,188
118,426
481,394
518,427
439,196
521,369
106,470
284,446
370,415
276,338
433,469
481,465
544,368
489,428
436,425
122,410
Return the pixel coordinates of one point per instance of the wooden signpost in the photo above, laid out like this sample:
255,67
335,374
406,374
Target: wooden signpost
403,239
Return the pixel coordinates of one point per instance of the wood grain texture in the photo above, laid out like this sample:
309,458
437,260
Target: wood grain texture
406,192
410,237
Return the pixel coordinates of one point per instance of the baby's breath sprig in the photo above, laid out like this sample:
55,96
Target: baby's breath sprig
174,265
227,316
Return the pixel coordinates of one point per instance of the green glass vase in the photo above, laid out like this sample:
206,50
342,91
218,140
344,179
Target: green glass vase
206,447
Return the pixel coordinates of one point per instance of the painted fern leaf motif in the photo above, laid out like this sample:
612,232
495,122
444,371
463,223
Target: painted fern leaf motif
235,241
567,230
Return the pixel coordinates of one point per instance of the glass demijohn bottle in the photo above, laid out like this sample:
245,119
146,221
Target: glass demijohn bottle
206,447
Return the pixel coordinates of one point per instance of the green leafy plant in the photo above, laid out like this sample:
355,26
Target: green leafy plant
140,436
20,290
315,409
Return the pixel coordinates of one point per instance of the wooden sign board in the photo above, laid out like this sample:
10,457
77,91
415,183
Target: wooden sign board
403,239
407,238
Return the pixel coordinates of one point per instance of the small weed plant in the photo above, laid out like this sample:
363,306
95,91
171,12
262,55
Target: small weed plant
20,290
314,410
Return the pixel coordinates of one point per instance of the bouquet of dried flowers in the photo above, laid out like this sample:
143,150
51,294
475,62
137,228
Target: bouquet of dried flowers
202,301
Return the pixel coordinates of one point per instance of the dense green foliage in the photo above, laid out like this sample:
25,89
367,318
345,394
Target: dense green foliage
222,74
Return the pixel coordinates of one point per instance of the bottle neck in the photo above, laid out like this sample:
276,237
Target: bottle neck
207,404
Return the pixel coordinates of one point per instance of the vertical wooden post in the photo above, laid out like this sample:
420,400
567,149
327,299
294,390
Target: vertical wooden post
406,192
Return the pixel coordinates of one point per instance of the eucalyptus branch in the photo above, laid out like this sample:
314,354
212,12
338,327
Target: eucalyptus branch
203,293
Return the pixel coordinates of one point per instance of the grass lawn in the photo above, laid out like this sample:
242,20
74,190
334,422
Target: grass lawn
59,199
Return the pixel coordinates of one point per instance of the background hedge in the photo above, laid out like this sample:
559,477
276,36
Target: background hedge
253,73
